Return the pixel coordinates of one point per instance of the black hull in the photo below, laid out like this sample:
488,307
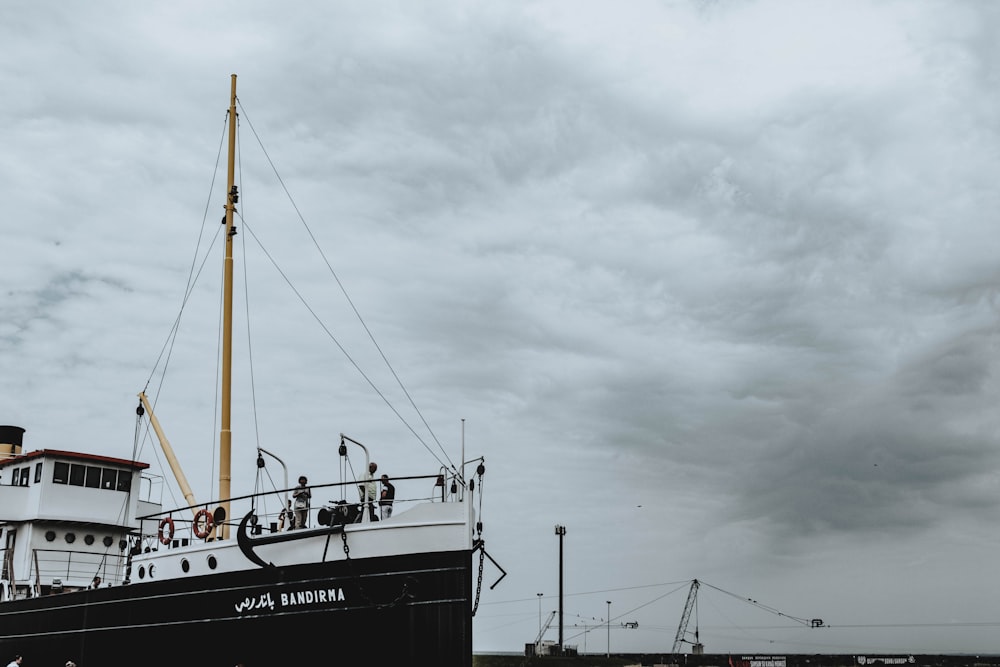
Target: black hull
403,610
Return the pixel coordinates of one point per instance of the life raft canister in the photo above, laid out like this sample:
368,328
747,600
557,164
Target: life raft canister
203,524
166,530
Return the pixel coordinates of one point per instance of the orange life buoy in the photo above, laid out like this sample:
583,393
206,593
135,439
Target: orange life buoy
203,524
168,534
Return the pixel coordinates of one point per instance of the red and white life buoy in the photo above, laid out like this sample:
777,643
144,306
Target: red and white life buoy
166,530
203,524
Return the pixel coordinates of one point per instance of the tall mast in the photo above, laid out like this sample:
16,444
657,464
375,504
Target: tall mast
225,433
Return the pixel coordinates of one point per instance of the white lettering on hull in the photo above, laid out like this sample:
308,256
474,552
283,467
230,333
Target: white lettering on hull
325,596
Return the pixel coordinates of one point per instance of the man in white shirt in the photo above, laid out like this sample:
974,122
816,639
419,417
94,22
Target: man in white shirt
369,491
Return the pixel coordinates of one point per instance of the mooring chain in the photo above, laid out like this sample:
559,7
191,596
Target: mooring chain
479,582
405,593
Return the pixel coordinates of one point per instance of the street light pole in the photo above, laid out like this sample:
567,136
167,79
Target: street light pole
560,531
609,628
539,615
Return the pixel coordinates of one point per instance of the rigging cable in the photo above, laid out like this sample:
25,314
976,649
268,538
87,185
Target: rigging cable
771,610
343,350
193,276
246,300
353,307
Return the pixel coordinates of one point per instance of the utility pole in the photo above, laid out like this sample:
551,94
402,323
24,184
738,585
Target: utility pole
561,532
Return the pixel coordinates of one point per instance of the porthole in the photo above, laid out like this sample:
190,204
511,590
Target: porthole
212,563
50,535
152,571
108,540
70,538
185,565
88,539
142,571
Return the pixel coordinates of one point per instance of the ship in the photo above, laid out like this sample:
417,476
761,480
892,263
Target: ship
97,571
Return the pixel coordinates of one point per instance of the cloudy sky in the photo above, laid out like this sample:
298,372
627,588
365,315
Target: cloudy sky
712,284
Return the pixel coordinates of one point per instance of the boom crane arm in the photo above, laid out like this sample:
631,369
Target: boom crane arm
686,616
545,626
168,451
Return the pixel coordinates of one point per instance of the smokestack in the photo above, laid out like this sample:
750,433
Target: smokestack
11,438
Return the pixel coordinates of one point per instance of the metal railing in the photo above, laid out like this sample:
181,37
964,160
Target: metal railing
272,513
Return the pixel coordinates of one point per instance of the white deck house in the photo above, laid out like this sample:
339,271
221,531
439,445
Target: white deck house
64,517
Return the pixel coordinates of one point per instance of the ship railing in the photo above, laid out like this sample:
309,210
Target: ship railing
67,570
272,513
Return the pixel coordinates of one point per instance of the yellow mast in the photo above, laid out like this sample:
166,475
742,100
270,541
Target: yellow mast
225,433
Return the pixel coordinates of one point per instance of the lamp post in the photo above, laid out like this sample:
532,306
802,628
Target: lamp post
539,616
609,628
560,531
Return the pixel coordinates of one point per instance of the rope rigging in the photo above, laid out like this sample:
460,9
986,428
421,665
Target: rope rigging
771,610
196,271
351,303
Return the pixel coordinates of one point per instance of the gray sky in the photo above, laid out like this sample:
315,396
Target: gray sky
713,284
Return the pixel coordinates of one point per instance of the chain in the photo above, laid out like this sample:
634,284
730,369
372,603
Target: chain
479,582
404,594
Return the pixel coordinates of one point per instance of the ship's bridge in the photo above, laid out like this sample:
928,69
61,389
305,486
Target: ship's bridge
64,516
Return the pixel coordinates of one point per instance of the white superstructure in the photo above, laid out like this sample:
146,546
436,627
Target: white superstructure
64,517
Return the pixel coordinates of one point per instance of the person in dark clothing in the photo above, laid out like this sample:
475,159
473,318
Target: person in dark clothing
386,498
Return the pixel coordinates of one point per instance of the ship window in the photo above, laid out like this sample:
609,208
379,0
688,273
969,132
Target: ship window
76,474
70,538
15,479
38,472
50,535
60,473
25,473
212,563
108,541
109,478
124,480
142,572
93,477
185,565
88,539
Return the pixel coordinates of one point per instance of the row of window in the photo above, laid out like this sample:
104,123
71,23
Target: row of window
75,474
91,476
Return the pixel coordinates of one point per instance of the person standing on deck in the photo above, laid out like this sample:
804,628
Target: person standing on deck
16,662
369,491
388,495
302,495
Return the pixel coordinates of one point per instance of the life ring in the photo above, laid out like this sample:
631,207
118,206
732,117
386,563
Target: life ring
202,516
167,535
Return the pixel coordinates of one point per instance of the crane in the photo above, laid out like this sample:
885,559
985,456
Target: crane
545,626
685,617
